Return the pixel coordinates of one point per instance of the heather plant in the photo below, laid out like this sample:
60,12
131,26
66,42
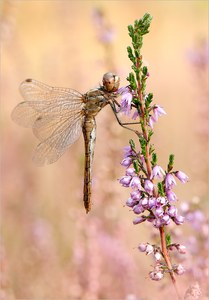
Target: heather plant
152,197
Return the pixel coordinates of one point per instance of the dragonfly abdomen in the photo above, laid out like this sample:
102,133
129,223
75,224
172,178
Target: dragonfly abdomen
89,133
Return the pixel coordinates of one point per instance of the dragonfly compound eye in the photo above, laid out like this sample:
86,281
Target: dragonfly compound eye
111,82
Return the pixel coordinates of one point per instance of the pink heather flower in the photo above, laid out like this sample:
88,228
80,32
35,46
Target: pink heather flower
158,111
182,176
151,122
125,181
148,186
142,247
130,172
156,275
169,181
151,202
135,182
171,195
165,219
179,220
161,200
144,202
136,195
172,211
126,100
135,115
131,202
181,249
138,209
179,270
128,151
157,223
149,249
157,172
126,162
139,220
159,212
158,256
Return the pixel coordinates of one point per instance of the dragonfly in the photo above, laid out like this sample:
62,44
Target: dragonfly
58,116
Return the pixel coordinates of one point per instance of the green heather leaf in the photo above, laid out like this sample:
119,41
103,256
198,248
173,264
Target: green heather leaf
168,239
132,144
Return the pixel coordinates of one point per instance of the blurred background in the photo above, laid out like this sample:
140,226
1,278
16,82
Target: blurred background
50,248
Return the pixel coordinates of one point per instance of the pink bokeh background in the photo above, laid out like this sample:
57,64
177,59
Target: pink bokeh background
50,248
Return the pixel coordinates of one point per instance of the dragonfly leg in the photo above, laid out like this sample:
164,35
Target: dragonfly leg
112,104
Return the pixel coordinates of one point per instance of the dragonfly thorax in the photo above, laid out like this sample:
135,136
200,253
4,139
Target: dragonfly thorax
95,100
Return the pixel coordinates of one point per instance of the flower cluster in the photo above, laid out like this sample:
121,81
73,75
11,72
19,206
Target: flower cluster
127,96
152,197
153,203
160,268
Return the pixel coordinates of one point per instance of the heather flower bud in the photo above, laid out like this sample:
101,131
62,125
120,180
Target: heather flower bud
126,162
157,223
179,270
172,211
171,195
158,111
158,256
151,122
142,247
139,220
165,219
157,172
135,182
136,195
148,186
179,220
130,172
144,202
161,200
181,249
125,181
169,181
126,100
131,202
182,176
149,249
138,209
156,275
135,115
151,202
128,151
159,212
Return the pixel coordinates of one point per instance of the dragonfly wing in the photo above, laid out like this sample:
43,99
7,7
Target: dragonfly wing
55,114
48,151
25,115
32,89
43,100
35,113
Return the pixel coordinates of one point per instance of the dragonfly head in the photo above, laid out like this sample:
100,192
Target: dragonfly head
111,82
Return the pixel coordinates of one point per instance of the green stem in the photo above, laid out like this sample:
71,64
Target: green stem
143,117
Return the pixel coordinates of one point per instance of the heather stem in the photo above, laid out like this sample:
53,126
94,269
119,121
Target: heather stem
144,129
168,261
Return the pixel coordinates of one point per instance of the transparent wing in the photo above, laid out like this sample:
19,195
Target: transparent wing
55,114
32,89
52,148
